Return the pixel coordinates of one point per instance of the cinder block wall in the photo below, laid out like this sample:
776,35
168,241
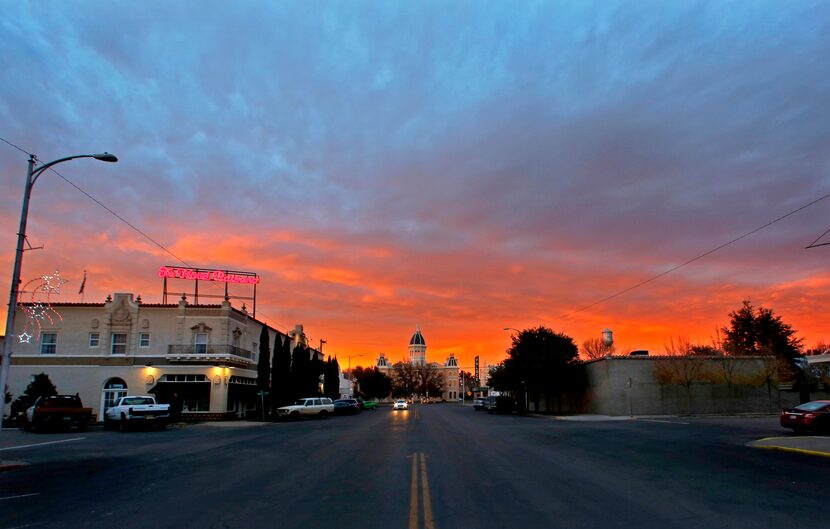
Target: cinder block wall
627,386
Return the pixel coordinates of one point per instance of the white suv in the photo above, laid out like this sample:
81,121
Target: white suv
320,407
400,405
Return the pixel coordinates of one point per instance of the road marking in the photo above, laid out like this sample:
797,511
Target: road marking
428,521
43,444
658,420
413,494
20,496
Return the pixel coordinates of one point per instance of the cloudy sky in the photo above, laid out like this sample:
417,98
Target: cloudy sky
462,166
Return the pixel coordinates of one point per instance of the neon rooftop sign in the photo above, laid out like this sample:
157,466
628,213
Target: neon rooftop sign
201,274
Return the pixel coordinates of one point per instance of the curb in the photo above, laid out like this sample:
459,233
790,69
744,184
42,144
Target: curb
782,448
795,450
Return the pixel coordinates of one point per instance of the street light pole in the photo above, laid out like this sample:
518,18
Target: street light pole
32,175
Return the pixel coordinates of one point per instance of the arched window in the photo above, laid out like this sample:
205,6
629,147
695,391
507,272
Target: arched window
114,389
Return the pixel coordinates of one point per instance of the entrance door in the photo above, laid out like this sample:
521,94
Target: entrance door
114,389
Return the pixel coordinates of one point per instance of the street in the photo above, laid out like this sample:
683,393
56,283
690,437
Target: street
438,466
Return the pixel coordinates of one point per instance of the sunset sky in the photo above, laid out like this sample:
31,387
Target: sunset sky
461,166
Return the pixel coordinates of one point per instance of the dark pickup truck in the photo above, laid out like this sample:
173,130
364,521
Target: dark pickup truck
57,411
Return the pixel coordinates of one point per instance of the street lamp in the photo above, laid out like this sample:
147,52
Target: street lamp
32,175
349,369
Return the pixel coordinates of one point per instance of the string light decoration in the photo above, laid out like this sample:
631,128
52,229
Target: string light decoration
35,301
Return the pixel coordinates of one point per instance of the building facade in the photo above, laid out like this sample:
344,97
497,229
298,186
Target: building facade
199,358
418,356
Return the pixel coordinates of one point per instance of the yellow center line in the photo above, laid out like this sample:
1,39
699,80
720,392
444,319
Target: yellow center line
413,494
428,521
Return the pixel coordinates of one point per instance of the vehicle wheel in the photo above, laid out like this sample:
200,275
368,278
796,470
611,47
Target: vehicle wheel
323,414
294,416
83,426
122,424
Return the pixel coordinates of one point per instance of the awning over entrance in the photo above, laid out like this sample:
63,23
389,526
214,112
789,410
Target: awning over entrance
183,396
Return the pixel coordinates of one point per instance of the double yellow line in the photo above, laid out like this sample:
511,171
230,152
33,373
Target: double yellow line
429,523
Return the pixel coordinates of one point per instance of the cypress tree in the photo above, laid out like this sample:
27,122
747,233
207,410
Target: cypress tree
315,369
299,372
263,366
331,382
276,370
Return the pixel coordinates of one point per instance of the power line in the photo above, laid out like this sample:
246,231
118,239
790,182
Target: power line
111,212
814,245
692,260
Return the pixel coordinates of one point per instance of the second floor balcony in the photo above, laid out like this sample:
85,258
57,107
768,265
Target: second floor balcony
229,354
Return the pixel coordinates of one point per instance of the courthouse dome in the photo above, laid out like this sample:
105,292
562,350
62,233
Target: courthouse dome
417,339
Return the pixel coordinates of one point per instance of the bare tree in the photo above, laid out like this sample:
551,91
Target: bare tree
594,348
683,372
405,379
432,382
678,346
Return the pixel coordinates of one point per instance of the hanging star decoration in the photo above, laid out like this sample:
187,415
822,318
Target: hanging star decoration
35,301
53,283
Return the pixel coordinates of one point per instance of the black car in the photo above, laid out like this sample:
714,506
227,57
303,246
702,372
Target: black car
500,404
346,407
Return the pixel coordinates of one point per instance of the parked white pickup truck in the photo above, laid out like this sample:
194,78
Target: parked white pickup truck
133,411
320,407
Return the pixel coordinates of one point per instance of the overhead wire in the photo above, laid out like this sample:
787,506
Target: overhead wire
693,259
814,245
115,214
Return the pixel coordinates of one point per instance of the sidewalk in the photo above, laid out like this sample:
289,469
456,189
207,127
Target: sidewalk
804,444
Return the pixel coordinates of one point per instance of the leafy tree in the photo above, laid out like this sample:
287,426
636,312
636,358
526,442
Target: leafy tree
263,366
760,332
40,386
499,378
331,384
540,362
373,384
705,350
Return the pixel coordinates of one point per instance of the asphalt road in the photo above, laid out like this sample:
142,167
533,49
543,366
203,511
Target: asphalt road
432,467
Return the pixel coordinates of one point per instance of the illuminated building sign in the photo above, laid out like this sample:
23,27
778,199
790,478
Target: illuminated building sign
196,274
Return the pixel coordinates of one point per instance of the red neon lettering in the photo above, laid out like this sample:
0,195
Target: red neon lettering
217,275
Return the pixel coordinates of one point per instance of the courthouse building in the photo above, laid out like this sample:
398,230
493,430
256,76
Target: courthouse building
418,356
199,358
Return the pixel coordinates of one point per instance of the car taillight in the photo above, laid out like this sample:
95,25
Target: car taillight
810,415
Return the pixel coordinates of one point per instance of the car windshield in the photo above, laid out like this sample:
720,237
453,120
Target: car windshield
811,406
300,402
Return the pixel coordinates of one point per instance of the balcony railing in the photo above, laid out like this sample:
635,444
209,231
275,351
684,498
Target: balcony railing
198,352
